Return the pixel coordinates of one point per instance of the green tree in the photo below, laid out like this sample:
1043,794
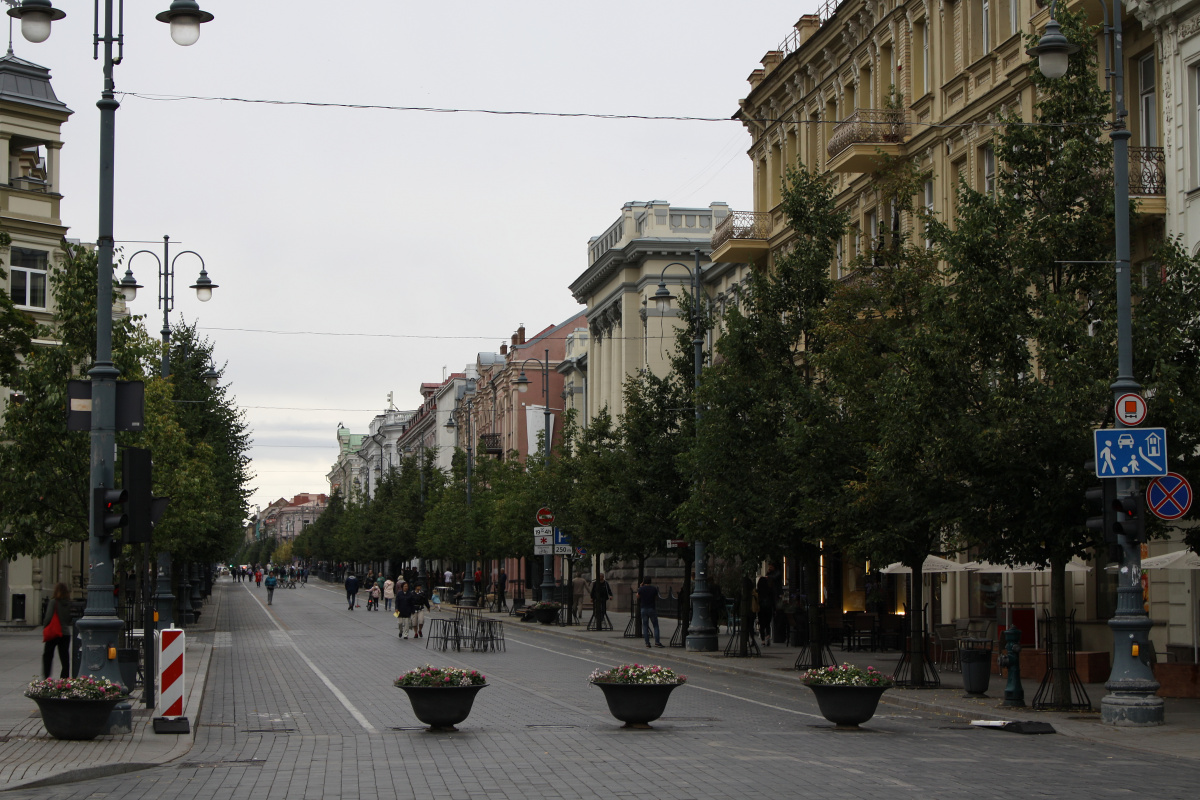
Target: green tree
44,469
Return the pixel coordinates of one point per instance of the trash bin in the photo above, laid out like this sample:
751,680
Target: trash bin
975,656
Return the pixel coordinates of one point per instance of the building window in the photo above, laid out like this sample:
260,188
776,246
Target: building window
985,25
1193,112
840,254
1147,104
988,168
872,226
27,278
929,212
926,78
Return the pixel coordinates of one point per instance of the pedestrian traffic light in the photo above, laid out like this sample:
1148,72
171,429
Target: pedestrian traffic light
1100,500
135,476
107,514
1133,524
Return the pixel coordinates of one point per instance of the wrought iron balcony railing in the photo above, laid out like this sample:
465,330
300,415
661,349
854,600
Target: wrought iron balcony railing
869,126
1147,171
743,225
490,442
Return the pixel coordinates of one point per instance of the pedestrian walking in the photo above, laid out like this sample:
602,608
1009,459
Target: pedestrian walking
448,578
501,588
765,593
404,609
420,604
373,597
258,577
601,594
352,589
271,583
389,594
54,631
648,607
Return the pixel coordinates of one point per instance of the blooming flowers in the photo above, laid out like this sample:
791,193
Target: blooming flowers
84,687
637,673
546,605
846,675
429,675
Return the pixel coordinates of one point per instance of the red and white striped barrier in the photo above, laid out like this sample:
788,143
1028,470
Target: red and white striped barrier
170,672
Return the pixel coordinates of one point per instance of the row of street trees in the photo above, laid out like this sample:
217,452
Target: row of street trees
198,438
939,399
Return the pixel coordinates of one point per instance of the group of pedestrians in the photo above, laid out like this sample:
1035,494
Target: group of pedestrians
411,604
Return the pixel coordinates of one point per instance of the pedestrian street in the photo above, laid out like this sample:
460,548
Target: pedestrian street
299,703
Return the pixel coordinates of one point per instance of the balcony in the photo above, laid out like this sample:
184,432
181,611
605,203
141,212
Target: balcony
1148,179
490,444
858,141
742,237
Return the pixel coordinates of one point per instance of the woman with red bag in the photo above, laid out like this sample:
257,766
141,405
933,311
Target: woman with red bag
54,634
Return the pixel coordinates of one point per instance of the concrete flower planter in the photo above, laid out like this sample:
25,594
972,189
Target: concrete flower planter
847,706
442,707
78,720
636,704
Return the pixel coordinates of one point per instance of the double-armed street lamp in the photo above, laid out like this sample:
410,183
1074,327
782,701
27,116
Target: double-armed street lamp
468,595
702,634
522,384
163,599
1132,688
100,628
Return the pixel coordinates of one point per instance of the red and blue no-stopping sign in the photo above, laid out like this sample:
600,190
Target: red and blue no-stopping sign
1170,496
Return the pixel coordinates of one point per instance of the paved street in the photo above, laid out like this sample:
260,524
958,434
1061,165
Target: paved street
299,704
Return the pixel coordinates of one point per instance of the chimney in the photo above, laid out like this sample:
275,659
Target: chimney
514,340
521,333
503,349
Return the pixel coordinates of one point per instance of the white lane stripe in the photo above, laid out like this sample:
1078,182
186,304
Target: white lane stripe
345,701
694,686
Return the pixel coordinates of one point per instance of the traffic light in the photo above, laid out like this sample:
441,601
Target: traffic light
1100,499
1133,524
107,514
144,509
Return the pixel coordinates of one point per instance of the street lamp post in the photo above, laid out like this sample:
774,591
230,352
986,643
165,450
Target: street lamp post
1132,688
164,600
468,595
522,383
702,634
100,628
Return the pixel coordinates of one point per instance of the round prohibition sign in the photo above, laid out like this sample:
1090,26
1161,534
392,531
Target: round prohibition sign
1170,496
1131,409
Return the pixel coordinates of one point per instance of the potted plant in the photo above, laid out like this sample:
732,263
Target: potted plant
545,611
74,708
637,694
441,697
847,695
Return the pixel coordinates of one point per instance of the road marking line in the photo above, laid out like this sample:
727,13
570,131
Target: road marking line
345,701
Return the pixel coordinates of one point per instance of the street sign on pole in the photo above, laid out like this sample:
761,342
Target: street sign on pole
1131,452
677,543
543,536
1169,497
545,516
563,550
560,537
543,549
1131,409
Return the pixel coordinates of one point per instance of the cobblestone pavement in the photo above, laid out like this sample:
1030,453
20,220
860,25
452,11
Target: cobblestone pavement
299,704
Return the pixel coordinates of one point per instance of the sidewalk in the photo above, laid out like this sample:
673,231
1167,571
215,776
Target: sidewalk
1180,736
29,757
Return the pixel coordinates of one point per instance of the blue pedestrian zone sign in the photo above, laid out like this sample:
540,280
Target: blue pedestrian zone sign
1131,452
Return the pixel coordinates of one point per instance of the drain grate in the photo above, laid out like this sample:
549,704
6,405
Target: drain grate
269,730
246,762
552,727
407,728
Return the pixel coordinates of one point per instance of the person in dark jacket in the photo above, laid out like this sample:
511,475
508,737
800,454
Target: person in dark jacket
271,582
351,589
766,604
404,610
601,594
60,605
420,604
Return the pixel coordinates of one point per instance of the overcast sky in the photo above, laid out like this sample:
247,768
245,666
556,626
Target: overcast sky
360,252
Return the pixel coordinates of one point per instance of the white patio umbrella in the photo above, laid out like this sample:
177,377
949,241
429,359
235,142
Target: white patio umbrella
932,564
1181,559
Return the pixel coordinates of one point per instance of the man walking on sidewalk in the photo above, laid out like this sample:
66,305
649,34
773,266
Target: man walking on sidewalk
271,581
351,589
648,605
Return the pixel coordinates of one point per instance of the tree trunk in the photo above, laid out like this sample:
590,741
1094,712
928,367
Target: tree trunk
637,614
747,614
1058,631
684,603
812,585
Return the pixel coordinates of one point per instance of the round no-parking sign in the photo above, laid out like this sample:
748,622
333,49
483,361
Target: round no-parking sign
1170,496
